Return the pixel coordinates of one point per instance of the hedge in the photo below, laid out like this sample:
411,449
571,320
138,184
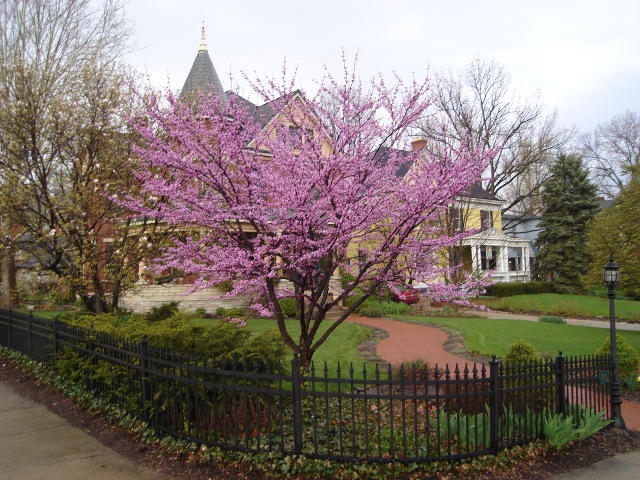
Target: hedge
517,288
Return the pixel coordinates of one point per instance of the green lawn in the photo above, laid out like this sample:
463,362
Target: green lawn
584,306
488,337
341,346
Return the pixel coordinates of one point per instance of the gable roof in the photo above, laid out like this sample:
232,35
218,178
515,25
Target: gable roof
382,156
261,114
474,190
202,78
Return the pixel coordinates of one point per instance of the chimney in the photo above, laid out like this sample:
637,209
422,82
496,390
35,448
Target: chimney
420,144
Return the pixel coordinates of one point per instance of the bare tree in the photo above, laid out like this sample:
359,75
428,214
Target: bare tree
612,151
64,140
481,111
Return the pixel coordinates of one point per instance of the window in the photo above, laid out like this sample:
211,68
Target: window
488,257
295,132
362,259
515,259
456,220
486,219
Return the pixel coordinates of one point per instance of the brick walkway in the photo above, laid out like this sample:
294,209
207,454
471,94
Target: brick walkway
409,341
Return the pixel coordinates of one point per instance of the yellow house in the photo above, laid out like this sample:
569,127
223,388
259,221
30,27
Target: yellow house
488,250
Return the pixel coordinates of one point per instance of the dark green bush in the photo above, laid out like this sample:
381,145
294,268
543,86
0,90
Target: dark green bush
351,300
288,306
346,278
220,339
162,312
517,288
551,319
220,311
523,362
225,286
235,312
628,360
521,351
371,308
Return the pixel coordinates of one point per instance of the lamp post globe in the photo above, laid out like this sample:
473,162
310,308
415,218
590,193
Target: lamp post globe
611,277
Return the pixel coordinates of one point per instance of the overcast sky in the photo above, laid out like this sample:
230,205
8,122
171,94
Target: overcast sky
582,56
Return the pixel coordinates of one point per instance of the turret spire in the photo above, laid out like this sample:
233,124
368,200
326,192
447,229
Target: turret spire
202,78
203,43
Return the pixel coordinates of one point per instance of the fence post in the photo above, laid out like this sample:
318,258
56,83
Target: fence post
561,384
29,335
93,361
494,416
9,329
56,324
144,377
297,405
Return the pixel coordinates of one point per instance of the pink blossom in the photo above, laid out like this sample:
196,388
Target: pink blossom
275,207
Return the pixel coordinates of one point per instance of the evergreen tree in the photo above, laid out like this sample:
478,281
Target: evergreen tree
616,230
569,203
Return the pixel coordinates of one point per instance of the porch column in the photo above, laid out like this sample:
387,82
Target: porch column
503,261
475,258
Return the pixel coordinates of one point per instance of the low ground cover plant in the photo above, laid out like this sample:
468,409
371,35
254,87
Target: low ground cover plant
552,319
560,430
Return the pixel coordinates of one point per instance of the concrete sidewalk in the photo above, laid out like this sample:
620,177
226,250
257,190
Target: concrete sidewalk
495,315
36,444
620,467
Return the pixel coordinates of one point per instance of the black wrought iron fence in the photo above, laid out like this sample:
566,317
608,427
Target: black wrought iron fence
379,415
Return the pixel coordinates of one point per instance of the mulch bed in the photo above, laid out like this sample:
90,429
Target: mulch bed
603,445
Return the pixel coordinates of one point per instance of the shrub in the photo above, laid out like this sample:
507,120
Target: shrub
516,288
346,278
371,308
288,306
395,308
551,319
526,369
225,286
200,312
235,312
220,311
351,300
522,351
220,339
162,312
628,360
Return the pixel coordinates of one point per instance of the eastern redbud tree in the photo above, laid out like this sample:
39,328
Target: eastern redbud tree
277,206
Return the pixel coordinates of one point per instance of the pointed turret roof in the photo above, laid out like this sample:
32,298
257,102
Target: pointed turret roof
202,78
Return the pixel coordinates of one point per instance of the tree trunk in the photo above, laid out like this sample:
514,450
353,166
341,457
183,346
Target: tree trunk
9,286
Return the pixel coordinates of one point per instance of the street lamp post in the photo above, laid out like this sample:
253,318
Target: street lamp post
611,279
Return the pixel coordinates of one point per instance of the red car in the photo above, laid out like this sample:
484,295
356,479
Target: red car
407,294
